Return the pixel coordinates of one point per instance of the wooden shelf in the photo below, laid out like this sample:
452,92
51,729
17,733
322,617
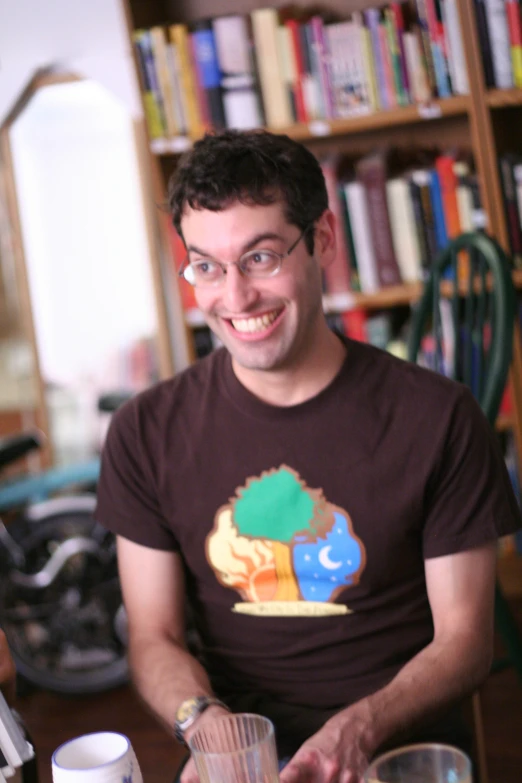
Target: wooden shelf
361,123
510,574
501,98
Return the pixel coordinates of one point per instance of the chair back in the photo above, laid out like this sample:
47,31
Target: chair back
465,318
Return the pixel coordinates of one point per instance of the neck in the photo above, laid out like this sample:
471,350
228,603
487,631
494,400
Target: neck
301,380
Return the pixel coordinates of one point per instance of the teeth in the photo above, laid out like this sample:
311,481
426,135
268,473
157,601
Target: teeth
254,324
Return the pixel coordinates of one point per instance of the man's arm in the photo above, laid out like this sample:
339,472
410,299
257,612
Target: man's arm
164,672
461,595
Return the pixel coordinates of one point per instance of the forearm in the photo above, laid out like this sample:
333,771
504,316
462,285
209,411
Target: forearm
165,674
441,674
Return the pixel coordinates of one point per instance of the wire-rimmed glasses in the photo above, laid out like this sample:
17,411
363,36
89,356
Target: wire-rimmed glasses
208,272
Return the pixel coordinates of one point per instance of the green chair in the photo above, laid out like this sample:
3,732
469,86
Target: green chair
469,331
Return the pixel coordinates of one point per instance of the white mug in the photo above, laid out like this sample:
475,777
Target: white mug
101,757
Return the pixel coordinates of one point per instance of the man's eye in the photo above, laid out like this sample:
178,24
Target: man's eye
205,268
261,258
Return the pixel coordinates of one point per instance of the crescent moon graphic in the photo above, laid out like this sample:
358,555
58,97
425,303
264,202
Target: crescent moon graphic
325,561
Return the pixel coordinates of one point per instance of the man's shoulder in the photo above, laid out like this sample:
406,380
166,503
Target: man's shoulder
183,390
389,377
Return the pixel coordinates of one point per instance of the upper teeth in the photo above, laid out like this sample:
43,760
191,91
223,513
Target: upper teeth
254,324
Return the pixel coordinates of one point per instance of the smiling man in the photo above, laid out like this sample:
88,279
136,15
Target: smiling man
338,553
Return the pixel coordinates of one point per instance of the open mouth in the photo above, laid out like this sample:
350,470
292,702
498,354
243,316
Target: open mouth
255,324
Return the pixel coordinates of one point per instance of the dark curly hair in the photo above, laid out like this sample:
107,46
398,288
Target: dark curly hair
252,167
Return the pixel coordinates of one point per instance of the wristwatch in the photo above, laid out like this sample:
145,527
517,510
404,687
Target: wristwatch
189,710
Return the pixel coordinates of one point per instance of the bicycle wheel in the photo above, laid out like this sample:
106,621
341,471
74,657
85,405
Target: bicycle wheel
61,609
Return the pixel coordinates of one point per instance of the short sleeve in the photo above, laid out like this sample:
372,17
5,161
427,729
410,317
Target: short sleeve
470,500
127,500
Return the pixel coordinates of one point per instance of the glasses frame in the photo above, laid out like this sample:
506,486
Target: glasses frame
223,265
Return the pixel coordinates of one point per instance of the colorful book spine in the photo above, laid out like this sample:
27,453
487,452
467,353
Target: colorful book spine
372,17
515,38
206,57
179,36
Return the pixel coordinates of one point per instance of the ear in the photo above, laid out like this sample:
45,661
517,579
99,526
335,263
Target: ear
325,245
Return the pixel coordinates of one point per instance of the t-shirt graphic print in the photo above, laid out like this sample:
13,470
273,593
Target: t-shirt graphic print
284,548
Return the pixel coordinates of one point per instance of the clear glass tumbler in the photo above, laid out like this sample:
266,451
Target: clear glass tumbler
423,763
236,748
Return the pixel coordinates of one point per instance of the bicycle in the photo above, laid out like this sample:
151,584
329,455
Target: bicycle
60,598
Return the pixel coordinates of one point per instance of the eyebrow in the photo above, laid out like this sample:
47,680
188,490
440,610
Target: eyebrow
247,246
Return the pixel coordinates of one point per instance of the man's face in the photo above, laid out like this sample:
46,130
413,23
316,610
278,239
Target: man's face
266,323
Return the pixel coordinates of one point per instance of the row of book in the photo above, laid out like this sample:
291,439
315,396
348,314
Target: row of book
272,69
499,29
391,226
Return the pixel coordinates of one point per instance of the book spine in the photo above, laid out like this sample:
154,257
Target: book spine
388,69
239,93
485,42
500,47
322,54
159,48
179,36
153,117
207,59
337,274
515,39
396,9
361,228
438,211
456,58
393,43
511,207
372,18
370,172
293,26
404,234
275,98
420,224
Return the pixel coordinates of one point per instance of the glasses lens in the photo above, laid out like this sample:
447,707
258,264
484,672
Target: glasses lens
203,272
260,263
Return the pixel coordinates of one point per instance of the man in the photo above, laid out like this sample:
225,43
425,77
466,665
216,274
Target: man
330,511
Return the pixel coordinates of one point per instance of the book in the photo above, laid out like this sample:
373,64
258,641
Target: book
404,234
238,83
205,53
159,48
484,40
361,229
337,274
456,58
499,39
509,192
276,103
515,39
153,104
300,107
371,173
178,34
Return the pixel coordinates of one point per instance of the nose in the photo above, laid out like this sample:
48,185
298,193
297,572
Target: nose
238,291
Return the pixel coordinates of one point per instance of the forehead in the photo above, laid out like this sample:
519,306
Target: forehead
237,222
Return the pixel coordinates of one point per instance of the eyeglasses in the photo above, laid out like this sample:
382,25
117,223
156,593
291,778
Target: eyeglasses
207,272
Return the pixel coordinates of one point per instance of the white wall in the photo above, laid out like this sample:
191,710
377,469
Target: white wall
88,37
83,228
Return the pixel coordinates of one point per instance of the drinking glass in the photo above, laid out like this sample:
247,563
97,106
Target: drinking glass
423,763
100,757
236,748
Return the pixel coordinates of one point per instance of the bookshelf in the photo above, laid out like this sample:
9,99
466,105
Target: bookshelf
483,123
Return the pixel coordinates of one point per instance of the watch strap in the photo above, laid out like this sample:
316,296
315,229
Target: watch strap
189,711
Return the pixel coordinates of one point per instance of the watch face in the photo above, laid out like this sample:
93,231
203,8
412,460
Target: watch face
186,709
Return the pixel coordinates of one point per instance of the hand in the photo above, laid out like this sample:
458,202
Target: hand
189,774
7,670
338,753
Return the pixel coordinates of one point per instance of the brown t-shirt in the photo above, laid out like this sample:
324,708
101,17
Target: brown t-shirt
304,529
